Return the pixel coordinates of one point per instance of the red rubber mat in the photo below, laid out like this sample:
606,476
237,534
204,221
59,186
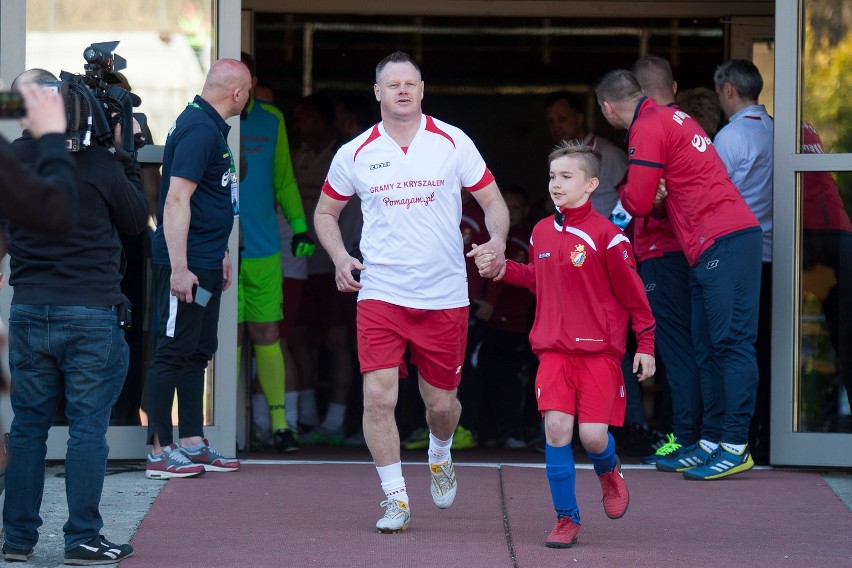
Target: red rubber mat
323,515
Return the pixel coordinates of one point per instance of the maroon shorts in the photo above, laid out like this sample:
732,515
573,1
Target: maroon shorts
436,338
292,289
588,387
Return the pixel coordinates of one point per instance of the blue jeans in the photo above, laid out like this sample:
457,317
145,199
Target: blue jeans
54,350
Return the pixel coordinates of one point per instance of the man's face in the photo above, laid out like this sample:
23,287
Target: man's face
563,122
723,92
399,91
609,114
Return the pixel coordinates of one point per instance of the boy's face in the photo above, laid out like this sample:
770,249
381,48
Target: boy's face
517,206
569,187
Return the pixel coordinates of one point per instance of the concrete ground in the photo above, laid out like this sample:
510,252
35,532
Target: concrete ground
127,496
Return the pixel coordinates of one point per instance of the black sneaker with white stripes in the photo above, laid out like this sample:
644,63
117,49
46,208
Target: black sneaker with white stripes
16,555
97,551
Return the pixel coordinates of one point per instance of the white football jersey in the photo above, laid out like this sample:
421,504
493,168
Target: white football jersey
411,201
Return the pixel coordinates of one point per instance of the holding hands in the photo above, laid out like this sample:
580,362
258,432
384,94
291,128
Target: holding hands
489,262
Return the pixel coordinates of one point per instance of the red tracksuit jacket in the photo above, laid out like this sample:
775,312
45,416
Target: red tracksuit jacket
583,274
703,204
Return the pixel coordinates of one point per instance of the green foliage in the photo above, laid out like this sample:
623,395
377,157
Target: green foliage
827,75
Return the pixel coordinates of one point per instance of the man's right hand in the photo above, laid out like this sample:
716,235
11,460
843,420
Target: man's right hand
181,283
45,111
343,274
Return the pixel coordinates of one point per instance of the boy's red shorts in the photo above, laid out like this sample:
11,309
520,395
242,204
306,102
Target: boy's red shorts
437,340
588,387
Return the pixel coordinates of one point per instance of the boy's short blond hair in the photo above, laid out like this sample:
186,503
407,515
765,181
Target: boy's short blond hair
588,158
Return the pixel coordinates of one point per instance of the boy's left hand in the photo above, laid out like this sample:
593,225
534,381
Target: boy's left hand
644,366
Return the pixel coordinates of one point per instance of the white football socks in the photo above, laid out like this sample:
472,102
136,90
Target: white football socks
439,450
393,483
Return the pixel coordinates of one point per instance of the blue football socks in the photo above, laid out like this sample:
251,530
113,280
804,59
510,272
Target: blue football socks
561,475
604,461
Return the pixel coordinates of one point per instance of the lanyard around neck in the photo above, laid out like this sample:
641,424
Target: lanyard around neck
232,167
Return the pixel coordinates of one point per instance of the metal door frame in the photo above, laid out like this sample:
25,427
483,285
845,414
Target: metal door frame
128,442
788,446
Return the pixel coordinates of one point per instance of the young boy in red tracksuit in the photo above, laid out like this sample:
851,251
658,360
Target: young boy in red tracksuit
584,277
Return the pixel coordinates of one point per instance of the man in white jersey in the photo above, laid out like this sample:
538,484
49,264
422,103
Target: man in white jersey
408,171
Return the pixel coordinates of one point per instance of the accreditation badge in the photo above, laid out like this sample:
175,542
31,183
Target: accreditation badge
235,194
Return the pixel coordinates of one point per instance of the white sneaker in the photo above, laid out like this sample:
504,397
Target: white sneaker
444,485
397,516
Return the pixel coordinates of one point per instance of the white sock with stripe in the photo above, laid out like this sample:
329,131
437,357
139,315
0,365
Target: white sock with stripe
393,483
439,450
736,449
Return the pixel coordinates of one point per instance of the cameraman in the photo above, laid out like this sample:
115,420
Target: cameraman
45,203
65,337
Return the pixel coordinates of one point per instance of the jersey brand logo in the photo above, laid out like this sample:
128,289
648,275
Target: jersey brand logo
544,255
650,287
701,142
712,264
578,255
380,165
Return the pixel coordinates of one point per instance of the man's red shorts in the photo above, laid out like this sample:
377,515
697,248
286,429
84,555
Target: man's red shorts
436,338
588,387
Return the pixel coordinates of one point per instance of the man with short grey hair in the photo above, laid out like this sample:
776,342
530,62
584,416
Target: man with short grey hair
745,146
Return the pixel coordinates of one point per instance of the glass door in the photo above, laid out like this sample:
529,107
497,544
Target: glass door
812,340
168,47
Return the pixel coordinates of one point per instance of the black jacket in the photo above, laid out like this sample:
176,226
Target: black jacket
83,268
39,199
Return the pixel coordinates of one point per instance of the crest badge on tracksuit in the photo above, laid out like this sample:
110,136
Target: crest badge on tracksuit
578,255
